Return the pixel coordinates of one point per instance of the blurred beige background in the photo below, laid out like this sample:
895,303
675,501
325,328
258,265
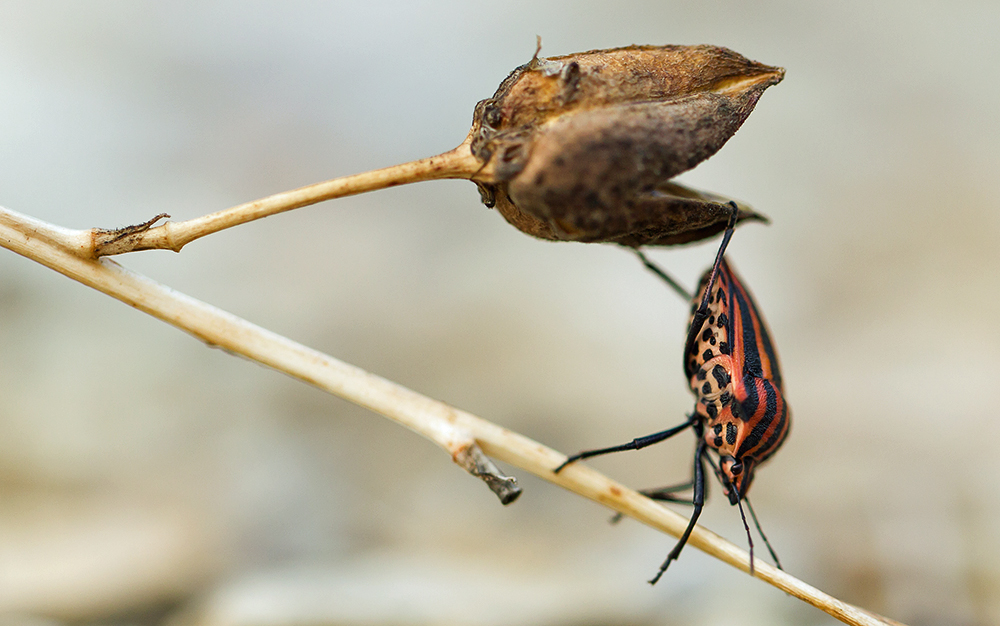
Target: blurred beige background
148,479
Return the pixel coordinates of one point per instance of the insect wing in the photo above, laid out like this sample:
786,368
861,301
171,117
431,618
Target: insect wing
755,355
757,383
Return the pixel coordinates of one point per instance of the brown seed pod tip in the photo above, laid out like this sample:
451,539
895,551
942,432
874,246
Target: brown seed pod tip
580,147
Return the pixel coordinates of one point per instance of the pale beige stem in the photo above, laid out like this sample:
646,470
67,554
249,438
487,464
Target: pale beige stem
457,163
456,431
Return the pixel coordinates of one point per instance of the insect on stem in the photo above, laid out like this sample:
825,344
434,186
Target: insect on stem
740,415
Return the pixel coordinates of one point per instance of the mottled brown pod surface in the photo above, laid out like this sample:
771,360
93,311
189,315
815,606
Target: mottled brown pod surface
581,147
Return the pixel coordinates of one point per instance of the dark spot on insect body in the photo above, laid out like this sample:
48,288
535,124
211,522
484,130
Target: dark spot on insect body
712,410
725,398
723,320
720,295
718,442
707,355
730,433
737,410
720,375
724,347
706,388
705,336
702,374
711,320
717,429
711,340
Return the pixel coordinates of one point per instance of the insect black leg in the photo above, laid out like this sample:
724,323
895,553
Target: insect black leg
699,503
635,444
726,236
666,494
702,312
667,278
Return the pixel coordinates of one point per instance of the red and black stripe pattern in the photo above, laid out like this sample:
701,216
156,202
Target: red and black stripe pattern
733,370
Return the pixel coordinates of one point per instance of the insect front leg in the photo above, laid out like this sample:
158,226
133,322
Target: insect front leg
698,501
635,444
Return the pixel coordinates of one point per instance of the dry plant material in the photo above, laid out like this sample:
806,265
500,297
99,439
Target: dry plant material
580,147
572,148
610,84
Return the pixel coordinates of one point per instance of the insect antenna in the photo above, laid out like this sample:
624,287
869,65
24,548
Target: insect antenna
667,278
762,535
747,528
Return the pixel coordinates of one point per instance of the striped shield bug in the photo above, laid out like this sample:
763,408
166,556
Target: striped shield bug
740,415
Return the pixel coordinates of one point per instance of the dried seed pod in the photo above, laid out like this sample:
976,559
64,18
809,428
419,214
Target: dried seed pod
581,147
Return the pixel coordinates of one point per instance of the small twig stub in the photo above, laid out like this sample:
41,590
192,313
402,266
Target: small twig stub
475,462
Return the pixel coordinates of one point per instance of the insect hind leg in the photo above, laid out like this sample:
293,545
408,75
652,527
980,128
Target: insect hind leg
667,278
701,313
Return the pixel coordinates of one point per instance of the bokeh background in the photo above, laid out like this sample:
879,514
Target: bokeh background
148,479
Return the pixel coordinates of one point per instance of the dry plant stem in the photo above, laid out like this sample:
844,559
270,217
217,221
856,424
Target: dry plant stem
457,163
456,431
